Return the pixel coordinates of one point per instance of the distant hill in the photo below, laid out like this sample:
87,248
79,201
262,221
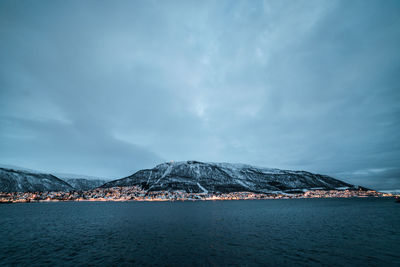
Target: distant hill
196,177
18,179
82,184
27,181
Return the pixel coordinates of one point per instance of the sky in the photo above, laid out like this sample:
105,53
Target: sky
105,88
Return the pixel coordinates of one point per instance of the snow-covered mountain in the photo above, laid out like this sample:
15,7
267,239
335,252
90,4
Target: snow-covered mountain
82,184
190,176
18,179
26,181
197,177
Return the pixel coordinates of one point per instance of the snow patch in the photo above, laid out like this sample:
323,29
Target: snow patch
205,191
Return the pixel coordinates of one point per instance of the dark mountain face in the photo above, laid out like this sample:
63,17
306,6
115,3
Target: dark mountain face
25,181
82,184
197,177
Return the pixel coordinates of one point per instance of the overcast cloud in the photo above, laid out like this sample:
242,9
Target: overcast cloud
106,88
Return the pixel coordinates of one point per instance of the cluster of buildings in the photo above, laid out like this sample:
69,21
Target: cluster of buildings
343,193
137,194
98,194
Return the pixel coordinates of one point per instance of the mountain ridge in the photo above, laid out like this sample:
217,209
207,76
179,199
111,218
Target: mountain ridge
26,181
195,176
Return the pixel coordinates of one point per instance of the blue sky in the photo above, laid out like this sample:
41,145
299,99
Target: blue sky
106,88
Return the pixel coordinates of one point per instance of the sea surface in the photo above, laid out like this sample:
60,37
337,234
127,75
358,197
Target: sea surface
301,232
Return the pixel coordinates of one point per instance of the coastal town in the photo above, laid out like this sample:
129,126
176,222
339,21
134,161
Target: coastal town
134,193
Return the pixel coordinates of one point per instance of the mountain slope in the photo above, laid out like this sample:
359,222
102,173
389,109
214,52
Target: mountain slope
25,181
197,177
83,184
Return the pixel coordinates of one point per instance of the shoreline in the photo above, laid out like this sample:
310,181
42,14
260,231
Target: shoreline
183,200
128,194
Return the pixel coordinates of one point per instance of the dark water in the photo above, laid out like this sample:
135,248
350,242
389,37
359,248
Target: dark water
338,232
